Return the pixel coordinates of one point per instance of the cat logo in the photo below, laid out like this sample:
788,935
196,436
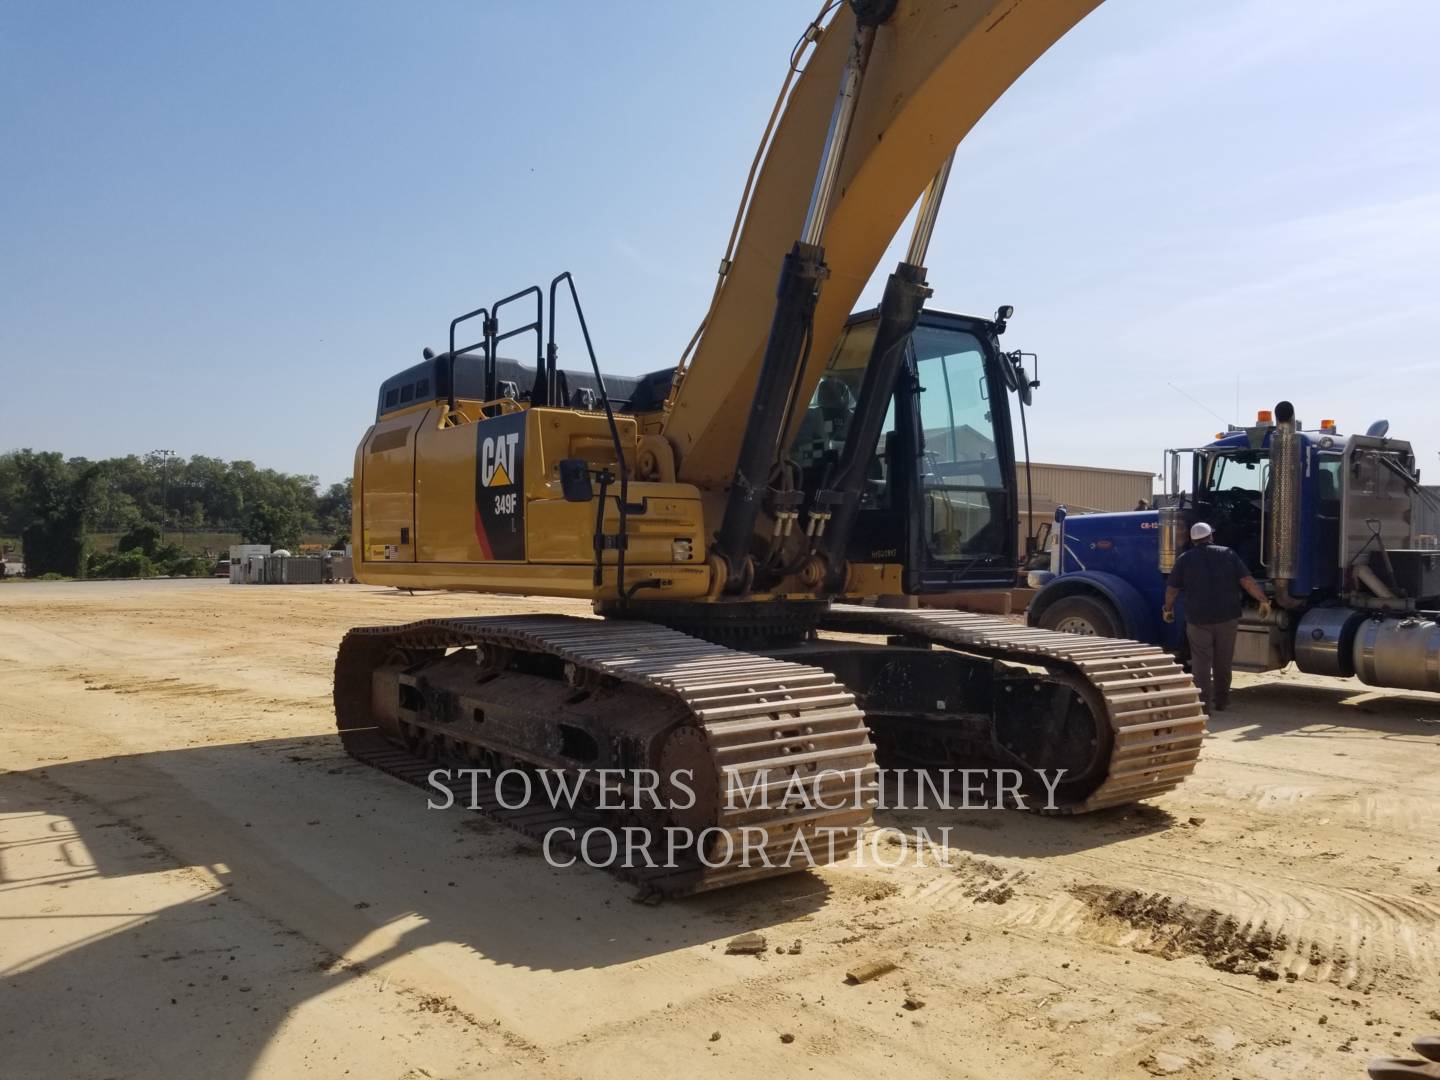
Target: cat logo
499,487
497,460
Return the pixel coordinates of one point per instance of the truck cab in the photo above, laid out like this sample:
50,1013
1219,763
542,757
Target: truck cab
1323,522
1233,488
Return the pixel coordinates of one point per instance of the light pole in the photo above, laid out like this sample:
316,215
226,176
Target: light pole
164,457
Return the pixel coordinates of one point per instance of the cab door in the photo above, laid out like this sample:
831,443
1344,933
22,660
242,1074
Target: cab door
958,467
939,493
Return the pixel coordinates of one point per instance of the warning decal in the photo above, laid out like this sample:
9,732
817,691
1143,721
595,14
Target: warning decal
500,487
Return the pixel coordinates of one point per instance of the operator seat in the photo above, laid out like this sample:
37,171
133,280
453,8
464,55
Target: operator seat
822,431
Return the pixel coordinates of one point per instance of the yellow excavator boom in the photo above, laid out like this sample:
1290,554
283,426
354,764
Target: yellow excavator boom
935,70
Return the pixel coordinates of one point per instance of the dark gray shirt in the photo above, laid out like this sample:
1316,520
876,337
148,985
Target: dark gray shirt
1208,577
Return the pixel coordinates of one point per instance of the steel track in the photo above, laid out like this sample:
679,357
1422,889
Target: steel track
753,718
1157,722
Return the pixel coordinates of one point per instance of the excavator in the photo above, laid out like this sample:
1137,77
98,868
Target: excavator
753,525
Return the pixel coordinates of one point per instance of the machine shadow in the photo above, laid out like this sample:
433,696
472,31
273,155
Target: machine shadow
314,896
1269,708
457,876
171,1011
1020,833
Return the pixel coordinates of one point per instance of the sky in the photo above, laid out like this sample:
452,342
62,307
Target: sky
221,226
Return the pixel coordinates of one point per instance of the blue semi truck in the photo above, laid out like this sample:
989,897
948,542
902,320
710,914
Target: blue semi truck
1324,521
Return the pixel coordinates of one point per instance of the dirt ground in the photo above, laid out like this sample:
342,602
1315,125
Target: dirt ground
195,881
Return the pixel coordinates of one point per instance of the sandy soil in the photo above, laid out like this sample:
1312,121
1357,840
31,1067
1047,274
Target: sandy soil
195,881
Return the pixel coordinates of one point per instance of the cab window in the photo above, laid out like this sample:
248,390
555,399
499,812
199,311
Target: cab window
826,422
1329,478
966,505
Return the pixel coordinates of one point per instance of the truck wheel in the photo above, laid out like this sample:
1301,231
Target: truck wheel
1082,615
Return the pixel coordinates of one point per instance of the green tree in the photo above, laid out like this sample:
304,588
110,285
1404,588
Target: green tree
128,492
143,538
55,501
278,526
332,509
126,495
121,564
11,493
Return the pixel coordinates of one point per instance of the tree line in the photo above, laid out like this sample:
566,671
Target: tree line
53,505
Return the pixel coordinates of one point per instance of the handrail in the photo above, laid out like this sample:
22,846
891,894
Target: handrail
620,465
493,337
545,391
485,344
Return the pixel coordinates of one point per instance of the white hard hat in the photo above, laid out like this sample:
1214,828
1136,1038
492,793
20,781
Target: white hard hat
1199,531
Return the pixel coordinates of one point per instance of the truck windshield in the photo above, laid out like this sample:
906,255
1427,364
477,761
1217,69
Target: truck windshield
1240,471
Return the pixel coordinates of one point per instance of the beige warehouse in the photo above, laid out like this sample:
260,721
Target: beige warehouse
1081,489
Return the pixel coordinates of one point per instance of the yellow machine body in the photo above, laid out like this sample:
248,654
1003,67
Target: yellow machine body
477,506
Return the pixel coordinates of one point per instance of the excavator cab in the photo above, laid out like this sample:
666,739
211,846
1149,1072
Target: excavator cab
939,492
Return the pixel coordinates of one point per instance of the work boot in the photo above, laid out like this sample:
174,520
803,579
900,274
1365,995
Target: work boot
1221,706
1403,1069
1427,1046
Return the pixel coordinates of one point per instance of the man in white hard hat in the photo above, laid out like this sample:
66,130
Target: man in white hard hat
1210,578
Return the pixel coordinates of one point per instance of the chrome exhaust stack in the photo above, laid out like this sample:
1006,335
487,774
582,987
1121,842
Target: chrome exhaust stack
1174,529
1282,553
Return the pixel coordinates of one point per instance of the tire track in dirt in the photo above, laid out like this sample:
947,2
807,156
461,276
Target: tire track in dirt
1349,937
973,880
173,687
1338,799
1295,930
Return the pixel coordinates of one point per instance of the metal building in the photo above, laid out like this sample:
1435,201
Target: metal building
1081,489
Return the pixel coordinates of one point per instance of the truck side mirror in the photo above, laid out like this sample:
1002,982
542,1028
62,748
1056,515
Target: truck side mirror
575,480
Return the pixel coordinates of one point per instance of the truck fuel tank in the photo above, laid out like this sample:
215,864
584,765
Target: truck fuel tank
1403,653
1325,641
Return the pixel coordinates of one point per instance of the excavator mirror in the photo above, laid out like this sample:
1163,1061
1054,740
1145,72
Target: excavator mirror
1013,368
1009,370
575,480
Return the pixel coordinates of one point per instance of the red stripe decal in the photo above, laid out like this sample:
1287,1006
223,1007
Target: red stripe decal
481,538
